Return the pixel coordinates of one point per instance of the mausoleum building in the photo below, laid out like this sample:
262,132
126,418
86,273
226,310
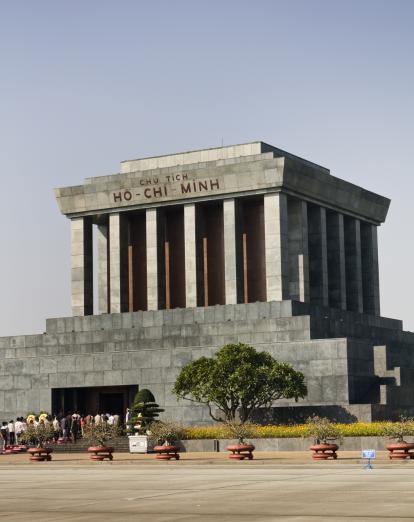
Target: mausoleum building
198,249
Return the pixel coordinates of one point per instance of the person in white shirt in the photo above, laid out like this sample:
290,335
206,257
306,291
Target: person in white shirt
18,428
97,419
4,437
110,420
116,419
12,436
56,428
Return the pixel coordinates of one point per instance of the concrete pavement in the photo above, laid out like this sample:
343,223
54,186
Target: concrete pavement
71,488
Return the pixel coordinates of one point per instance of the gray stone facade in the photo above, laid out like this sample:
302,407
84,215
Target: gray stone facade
246,243
356,366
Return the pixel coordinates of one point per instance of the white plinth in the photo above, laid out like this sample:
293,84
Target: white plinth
138,443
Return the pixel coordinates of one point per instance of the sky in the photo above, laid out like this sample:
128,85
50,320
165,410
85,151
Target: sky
87,84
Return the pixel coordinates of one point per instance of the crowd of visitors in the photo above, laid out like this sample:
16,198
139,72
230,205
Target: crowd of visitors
67,428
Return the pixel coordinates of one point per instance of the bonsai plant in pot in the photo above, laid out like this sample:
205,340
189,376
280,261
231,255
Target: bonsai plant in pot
324,432
242,449
36,437
144,411
98,435
166,435
400,449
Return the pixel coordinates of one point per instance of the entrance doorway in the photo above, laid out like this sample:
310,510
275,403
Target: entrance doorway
93,400
111,402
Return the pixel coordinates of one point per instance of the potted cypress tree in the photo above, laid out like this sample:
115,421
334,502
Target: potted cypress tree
98,435
166,436
324,432
37,437
400,449
242,450
144,412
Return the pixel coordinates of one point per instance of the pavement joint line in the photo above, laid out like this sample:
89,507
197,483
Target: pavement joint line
239,515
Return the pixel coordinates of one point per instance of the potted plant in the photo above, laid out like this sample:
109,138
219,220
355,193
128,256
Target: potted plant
37,436
238,431
400,449
166,435
144,411
323,431
98,435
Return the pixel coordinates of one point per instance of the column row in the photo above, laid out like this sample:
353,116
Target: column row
273,247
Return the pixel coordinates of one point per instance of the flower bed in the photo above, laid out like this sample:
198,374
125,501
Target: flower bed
357,429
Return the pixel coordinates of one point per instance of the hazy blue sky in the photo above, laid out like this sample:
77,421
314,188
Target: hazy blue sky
86,84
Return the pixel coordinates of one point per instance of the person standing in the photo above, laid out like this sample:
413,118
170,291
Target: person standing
75,427
64,425
18,428
4,430
82,424
12,433
56,428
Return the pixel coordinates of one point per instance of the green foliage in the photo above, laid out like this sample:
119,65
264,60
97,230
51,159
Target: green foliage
98,434
143,412
37,435
398,430
164,431
237,381
322,430
144,395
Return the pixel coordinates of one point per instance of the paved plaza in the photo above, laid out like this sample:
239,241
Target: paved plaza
203,488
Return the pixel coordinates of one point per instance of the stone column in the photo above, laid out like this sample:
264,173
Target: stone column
318,256
324,259
353,264
341,238
298,250
276,246
152,259
118,273
190,255
103,273
370,270
230,263
336,260
81,266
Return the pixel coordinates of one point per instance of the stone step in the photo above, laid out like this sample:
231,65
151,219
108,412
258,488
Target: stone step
121,445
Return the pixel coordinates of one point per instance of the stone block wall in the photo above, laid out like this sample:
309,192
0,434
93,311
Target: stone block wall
150,348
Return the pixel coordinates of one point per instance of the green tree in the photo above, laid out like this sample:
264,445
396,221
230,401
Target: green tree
144,411
237,381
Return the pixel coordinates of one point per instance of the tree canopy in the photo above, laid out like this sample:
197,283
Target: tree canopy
237,381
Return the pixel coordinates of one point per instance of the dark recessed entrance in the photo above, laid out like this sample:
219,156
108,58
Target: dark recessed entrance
93,400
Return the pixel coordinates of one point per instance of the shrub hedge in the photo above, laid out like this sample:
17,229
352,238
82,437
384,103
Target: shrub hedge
357,429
